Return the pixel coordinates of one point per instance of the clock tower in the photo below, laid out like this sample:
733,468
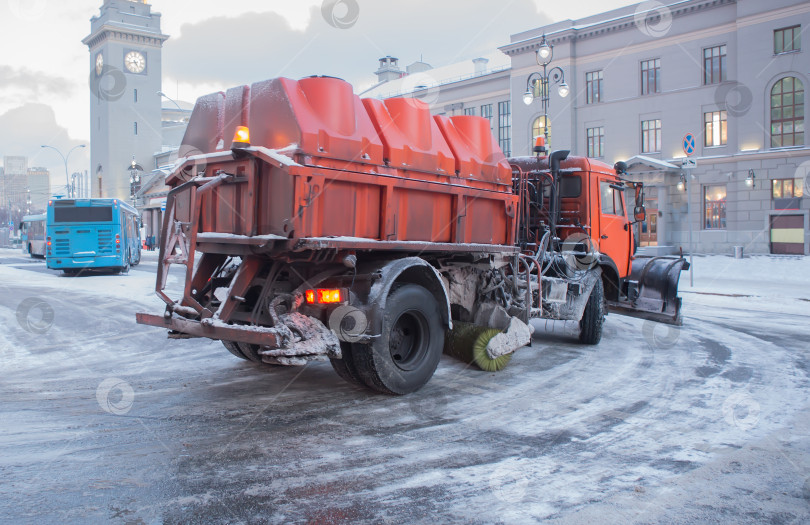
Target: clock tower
125,43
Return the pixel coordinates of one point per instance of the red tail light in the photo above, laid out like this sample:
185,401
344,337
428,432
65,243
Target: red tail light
329,296
326,296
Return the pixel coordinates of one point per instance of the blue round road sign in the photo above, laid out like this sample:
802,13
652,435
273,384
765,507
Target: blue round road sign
689,144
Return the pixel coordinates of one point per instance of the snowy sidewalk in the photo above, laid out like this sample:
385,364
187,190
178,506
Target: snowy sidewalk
777,283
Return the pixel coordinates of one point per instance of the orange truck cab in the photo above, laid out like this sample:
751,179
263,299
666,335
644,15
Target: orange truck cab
584,210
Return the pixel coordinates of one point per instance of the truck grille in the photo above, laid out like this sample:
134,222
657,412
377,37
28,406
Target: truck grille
105,241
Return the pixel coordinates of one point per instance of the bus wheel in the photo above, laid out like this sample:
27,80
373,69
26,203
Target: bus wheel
30,251
405,357
125,268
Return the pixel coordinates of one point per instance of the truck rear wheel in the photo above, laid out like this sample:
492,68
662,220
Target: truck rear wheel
234,349
407,353
246,351
345,367
590,326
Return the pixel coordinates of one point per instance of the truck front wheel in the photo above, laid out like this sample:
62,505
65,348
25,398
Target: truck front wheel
590,326
407,353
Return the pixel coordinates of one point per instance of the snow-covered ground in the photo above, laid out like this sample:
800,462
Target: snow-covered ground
778,283
108,421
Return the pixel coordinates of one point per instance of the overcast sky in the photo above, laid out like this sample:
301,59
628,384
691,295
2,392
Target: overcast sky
44,67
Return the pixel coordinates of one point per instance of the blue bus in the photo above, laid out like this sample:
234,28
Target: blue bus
32,235
92,234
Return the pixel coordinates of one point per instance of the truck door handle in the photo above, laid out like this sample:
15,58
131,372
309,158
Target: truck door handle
604,236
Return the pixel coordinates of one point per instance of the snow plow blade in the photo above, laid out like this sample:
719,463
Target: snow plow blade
652,290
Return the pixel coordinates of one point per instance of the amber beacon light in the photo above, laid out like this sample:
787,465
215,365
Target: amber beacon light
241,139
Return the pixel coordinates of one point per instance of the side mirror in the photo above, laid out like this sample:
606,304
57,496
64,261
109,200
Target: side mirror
639,213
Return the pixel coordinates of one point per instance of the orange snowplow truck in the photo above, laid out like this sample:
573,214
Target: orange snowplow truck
314,225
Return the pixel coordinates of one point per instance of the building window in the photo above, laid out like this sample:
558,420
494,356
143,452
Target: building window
651,76
538,88
540,127
787,188
596,141
593,87
505,127
714,206
714,65
650,136
787,39
136,127
486,112
135,95
469,111
715,128
787,113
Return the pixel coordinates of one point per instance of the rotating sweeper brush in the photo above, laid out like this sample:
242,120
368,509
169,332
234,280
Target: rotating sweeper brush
490,349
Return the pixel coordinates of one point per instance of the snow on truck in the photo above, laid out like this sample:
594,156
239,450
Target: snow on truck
313,225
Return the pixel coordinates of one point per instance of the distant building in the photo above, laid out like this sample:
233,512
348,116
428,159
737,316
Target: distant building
13,194
39,188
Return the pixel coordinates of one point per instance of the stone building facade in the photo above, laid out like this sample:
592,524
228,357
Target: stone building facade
732,74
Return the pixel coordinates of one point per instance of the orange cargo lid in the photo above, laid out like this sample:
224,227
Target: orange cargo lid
321,116
411,138
477,153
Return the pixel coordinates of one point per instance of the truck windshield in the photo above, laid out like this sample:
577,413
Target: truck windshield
82,214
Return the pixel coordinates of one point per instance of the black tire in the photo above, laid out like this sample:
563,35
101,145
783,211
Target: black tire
407,353
590,326
345,367
251,353
125,269
234,349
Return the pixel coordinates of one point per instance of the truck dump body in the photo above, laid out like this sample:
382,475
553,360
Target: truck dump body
323,163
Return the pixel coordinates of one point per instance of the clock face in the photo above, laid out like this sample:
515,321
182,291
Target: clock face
135,62
99,63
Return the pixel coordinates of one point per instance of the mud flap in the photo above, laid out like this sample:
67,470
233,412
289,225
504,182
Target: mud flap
652,290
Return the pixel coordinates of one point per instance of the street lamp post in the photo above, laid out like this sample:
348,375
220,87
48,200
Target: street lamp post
65,160
170,99
134,179
556,75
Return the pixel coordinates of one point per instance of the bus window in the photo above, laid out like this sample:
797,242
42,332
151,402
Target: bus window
82,214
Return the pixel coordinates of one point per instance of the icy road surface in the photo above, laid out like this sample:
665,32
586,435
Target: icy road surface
102,420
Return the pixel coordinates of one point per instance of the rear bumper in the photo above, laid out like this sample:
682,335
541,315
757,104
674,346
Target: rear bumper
78,263
296,340
256,335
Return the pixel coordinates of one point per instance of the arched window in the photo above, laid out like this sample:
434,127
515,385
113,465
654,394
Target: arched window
787,113
539,129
